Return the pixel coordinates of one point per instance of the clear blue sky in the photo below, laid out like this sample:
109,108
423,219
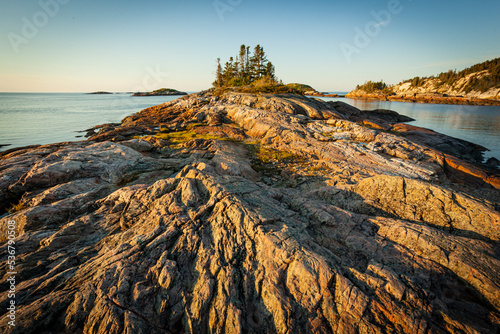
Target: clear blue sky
82,46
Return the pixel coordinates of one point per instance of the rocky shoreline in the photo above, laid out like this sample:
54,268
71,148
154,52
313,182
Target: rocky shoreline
422,98
253,213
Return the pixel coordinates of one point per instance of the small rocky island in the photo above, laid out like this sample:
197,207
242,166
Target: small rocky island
99,93
161,92
309,91
226,211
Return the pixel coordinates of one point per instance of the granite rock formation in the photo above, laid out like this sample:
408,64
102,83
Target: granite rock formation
246,213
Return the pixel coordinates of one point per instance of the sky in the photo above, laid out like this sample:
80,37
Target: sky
125,46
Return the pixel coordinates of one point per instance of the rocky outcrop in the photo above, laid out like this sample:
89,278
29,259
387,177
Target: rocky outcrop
476,85
422,97
251,213
456,88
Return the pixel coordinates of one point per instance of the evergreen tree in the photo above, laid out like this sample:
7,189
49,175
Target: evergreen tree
243,64
245,68
258,63
270,71
219,80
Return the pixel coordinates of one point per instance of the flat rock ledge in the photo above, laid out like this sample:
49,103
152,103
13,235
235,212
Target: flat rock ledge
246,213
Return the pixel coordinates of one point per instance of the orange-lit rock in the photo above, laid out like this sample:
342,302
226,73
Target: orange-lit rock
289,216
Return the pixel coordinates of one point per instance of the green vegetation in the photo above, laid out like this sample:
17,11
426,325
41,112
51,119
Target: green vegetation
301,87
165,91
417,82
160,92
252,73
267,155
245,69
180,137
375,87
260,86
489,80
191,126
270,162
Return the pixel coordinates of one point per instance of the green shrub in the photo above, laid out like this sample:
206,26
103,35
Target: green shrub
375,87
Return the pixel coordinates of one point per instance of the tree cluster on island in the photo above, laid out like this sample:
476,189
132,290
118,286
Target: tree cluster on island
245,69
375,86
251,73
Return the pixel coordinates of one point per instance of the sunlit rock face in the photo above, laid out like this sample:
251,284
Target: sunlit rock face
253,214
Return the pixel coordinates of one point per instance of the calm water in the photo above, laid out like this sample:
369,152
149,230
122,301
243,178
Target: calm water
477,124
27,118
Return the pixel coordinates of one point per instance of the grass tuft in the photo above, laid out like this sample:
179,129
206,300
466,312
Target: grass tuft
185,136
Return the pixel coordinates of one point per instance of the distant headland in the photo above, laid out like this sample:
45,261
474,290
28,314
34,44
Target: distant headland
476,85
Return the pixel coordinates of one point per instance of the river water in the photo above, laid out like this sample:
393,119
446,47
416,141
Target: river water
43,118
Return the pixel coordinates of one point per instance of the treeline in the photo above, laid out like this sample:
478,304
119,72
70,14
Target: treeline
375,86
482,84
246,68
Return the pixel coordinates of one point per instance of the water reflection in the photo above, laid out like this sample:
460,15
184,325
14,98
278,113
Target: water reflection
43,118
477,124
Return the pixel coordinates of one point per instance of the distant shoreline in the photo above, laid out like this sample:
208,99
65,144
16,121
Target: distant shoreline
455,100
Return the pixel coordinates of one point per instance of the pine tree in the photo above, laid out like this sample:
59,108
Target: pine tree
219,80
270,71
243,64
258,63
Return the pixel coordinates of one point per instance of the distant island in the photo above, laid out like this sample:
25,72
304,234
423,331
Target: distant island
309,91
99,93
161,92
476,85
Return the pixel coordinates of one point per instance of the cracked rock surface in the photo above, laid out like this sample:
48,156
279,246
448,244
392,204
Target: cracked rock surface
246,213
